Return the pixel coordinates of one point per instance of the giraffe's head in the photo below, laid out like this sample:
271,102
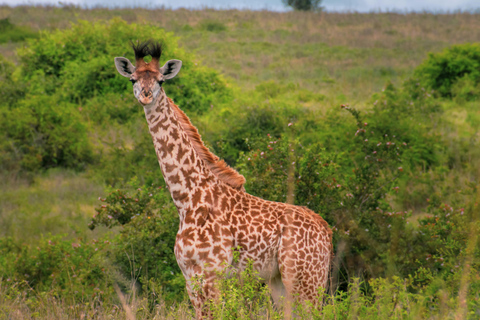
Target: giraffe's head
147,78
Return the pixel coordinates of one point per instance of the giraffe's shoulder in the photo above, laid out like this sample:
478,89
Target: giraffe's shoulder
308,217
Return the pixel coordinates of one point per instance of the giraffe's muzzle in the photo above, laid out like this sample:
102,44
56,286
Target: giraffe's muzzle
146,97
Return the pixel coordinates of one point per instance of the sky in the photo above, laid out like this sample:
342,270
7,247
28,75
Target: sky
274,5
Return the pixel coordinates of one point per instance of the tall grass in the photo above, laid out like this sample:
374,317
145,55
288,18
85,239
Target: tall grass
58,202
345,56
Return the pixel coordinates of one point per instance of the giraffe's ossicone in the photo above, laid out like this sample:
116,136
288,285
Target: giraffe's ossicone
290,246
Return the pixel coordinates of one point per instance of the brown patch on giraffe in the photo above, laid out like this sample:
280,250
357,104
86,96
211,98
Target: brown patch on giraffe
169,167
197,196
174,179
181,153
208,197
188,176
174,134
180,196
202,214
218,167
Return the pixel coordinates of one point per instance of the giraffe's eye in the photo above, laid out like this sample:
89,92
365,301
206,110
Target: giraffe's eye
133,81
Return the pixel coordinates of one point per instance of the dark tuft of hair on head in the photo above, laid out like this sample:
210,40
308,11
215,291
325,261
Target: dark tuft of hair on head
141,49
156,50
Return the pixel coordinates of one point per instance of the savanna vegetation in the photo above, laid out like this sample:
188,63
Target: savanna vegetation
371,120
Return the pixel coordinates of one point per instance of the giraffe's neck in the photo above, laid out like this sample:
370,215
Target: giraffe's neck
182,168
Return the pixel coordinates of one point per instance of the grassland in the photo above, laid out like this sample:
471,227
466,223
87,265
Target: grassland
347,56
343,58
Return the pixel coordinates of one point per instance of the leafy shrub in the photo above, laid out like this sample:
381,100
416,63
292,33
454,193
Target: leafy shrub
409,115
72,269
241,296
441,71
67,85
78,64
144,247
348,175
466,88
43,132
254,115
268,165
12,33
304,5
212,26
447,230
10,90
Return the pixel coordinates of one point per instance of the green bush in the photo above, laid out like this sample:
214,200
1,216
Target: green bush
66,87
12,33
212,26
351,198
255,114
144,247
70,269
78,64
304,5
441,71
10,90
43,132
351,173
241,296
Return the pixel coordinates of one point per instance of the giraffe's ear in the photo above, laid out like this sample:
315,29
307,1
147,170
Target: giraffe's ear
124,66
171,68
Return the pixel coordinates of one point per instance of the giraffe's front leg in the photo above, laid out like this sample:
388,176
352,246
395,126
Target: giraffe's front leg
203,293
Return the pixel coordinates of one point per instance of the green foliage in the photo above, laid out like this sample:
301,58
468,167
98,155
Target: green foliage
242,296
304,5
126,161
9,89
466,88
350,199
401,114
78,64
254,115
42,132
143,249
67,83
269,162
72,269
12,33
350,172
455,66
212,26
447,231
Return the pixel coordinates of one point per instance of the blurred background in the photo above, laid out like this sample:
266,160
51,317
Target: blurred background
272,5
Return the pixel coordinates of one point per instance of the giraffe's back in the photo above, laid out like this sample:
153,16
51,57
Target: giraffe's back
286,241
304,253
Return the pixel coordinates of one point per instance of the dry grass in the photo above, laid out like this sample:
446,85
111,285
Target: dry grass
59,202
346,56
358,30
47,307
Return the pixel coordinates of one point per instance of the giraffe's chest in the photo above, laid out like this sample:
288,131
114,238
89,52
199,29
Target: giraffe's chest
257,235
202,248
259,244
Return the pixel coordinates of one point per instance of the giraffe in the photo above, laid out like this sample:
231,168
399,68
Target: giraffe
290,246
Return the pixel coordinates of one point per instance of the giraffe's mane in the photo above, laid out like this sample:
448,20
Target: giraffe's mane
218,167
